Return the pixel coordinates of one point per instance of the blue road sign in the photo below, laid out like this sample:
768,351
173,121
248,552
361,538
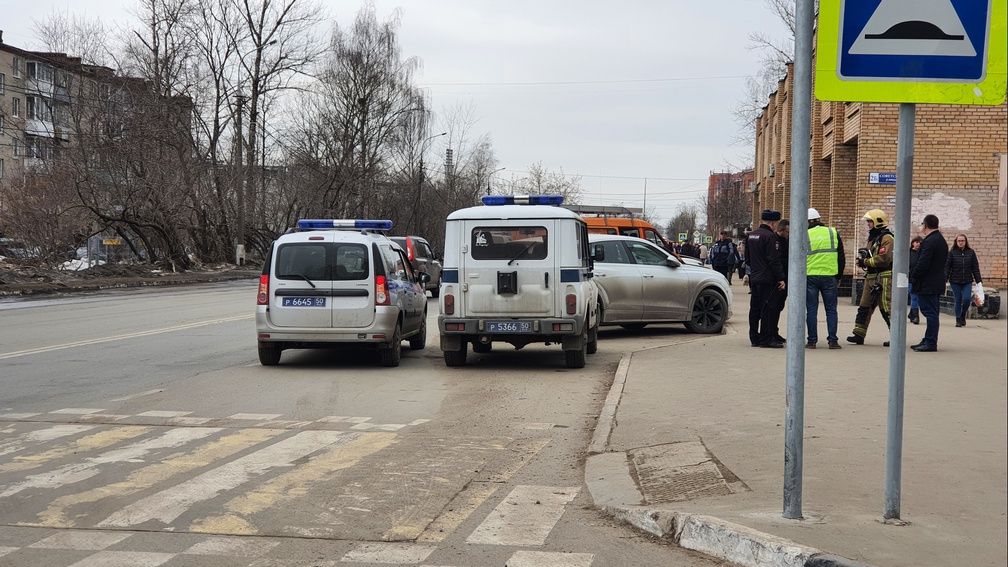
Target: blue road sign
882,178
914,40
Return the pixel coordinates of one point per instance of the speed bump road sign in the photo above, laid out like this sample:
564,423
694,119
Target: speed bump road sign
913,51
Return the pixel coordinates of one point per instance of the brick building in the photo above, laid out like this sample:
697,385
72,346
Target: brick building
728,207
959,170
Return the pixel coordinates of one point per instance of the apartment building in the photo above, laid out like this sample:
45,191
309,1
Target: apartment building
960,156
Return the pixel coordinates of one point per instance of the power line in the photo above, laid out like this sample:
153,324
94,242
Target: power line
604,82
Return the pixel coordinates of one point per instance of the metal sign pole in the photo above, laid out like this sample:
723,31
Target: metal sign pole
801,128
897,352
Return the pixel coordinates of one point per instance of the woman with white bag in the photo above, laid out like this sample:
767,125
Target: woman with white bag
961,270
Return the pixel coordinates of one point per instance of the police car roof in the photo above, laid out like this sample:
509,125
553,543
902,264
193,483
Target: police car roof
513,212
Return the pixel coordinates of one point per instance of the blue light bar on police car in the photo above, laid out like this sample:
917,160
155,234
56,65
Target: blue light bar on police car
309,224
522,199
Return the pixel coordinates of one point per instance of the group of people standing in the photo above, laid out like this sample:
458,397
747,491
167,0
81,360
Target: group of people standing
932,264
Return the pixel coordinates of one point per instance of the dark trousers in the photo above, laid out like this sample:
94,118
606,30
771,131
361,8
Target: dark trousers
725,271
764,313
929,310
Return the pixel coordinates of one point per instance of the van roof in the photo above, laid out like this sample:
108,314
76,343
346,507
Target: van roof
513,212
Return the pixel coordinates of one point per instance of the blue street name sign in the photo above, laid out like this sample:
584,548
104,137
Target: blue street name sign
882,178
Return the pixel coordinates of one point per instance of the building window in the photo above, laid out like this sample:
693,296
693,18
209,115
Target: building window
17,67
17,147
1,169
15,106
30,69
2,77
1,122
30,107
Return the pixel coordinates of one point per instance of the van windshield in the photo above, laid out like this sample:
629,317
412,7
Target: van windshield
509,243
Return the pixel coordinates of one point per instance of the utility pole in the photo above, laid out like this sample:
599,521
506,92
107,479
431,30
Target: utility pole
240,245
491,176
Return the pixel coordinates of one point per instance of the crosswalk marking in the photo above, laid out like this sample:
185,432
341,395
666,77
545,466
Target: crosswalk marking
525,517
393,553
124,559
77,472
169,504
231,547
80,540
549,559
83,445
21,442
56,515
293,484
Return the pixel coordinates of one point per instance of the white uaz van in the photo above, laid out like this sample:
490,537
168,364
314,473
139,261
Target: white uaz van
517,270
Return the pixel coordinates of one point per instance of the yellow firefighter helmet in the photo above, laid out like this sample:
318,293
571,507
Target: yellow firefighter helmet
877,216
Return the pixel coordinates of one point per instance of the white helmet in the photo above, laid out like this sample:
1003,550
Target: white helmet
813,214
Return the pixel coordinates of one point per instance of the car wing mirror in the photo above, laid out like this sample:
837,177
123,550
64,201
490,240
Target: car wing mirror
598,253
672,262
423,277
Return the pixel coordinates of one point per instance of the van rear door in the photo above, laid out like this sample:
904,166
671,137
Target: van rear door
509,268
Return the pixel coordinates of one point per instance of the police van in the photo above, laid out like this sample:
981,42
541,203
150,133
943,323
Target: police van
339,282
517,270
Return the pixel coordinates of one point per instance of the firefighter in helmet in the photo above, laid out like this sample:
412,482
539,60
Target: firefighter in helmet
877,261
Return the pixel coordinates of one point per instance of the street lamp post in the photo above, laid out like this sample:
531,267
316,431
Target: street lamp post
490,176
419,190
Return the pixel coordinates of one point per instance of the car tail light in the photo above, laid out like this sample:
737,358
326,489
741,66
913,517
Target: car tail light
571,304
381,291
449,304
263,297
409,249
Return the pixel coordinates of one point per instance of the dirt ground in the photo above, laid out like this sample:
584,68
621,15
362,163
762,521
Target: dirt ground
17,280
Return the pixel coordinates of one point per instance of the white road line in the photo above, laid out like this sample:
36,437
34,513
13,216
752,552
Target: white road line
138,334
550,559
80,540
124,558
55,432
77,472
390,553
138,395
525,517
169,504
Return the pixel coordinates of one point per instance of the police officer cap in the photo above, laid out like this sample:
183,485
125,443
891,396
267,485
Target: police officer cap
813,214
770,215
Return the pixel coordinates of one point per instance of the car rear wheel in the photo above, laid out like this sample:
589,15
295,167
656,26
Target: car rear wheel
456,357
269,355
710,311
578,357
419,340
391,354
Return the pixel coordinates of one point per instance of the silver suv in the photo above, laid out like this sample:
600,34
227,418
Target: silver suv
339,282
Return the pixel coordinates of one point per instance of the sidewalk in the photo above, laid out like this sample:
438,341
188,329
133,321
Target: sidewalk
690,446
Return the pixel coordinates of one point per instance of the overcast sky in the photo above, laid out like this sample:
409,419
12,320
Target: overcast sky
635,97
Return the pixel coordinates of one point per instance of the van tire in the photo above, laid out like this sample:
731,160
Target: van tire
419,340
710,310
391,354
269,354
593,334
578,357
456,357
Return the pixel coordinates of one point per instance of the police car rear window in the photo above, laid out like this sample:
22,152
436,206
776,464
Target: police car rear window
509,243
322,261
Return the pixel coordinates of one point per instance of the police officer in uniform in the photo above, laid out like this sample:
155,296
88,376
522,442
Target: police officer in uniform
767,281
876,260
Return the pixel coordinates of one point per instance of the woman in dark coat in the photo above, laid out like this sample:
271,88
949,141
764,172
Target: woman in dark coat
961,270
914,314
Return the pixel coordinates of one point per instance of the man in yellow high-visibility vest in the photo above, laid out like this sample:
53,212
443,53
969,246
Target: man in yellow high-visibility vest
825,268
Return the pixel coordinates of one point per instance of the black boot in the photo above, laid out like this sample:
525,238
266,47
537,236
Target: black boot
960,321
914,316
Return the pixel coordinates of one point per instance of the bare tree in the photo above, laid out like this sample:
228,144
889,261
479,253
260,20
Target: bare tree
684,221
541,181
775,54
729,208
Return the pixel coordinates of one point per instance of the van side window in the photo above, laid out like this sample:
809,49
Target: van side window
509,243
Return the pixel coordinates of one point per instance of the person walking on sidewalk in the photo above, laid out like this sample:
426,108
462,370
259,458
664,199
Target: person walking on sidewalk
961,270
928,277
825,265
766,277
914,314
876,260
725,256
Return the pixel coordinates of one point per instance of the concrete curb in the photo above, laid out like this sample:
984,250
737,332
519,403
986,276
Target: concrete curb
705,534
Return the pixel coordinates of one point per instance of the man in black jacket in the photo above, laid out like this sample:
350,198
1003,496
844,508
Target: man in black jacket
724,256
766,278
928,281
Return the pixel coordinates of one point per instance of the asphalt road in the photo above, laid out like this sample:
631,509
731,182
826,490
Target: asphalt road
138,428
